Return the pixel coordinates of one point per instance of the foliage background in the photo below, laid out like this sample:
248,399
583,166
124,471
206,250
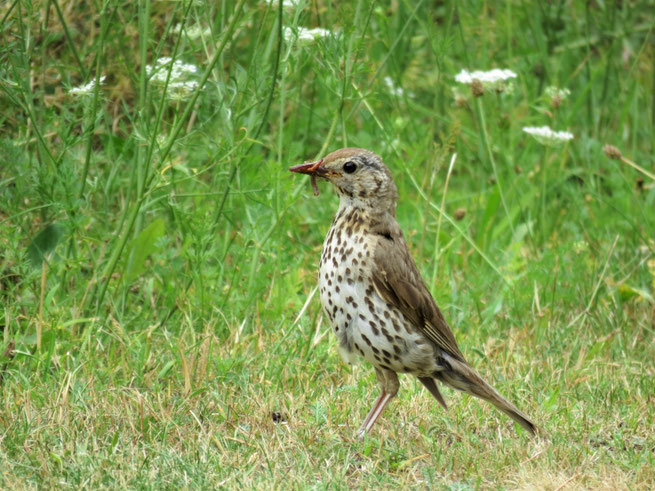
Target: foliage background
158,260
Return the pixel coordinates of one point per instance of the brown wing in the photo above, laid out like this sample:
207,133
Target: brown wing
398,281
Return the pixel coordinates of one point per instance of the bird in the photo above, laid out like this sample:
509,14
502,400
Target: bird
374,297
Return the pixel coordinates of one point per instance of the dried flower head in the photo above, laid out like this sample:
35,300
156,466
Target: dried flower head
547,136
460,96
612,152
477,88
556,95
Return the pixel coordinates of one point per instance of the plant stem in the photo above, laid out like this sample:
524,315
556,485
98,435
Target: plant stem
485,139
134,212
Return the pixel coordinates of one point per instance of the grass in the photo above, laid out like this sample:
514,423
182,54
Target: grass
159,261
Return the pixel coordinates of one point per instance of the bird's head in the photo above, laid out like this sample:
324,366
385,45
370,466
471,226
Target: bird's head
359,177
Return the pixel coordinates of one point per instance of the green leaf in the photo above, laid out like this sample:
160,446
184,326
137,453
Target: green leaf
493,203
626,292
167,368
142,247
595,349
43,243
552,399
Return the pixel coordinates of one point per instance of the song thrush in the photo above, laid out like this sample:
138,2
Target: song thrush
373,294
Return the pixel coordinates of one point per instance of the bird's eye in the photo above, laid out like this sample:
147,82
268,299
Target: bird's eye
349,167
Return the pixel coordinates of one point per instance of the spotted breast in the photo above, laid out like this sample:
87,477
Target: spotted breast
365,325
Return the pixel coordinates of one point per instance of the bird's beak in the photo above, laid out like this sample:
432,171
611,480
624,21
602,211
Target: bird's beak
312,169
309,168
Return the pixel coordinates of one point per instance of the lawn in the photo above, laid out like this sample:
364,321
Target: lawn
160,322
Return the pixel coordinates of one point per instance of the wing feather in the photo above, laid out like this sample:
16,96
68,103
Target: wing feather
397,280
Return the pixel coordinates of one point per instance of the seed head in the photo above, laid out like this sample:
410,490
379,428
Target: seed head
612,152
556,95
477,89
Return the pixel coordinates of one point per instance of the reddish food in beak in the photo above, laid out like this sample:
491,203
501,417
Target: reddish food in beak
309,168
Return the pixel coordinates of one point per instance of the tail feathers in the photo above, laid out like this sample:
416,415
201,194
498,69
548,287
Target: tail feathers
518,416
431,385
462,377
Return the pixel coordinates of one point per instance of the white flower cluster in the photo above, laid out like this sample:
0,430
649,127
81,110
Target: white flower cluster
87,89
193,32
479,81
179,85
489,78
580,246
555,95
286,4
304,36
397,91
179,70
547,136
553,92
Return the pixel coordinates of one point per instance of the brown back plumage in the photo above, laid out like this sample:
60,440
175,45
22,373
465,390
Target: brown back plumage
398,281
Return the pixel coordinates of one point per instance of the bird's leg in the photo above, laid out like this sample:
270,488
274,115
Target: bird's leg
365,424
380,403
389,383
